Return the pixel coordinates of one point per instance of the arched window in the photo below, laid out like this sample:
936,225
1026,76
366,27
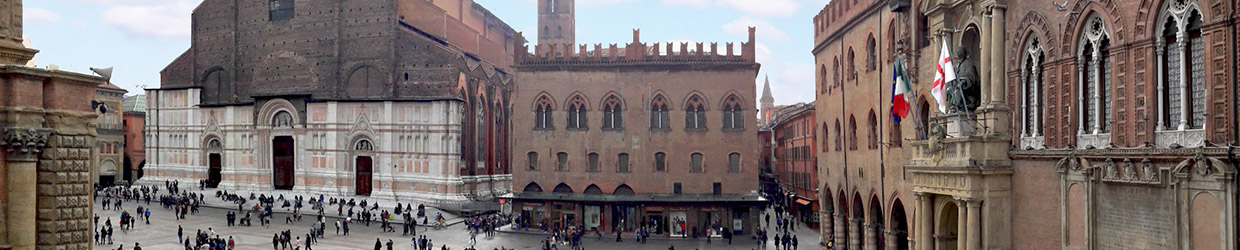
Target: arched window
923,118
576,114
559,31
826,137
612,119
871,54
839,137
734,163
542,114
660,162
891,41
1094,69
695,114
658,113
822,79
695,163
873,126
532,158
593,162
622,163
561,161
852,132
1181,52
546,31
1031,81
897,136
851,70
732,117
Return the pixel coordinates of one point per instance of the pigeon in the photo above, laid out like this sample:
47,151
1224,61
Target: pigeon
1061,7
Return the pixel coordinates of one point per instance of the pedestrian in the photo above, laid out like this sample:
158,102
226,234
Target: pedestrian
337,227
378,244
794,242
180,233
275,241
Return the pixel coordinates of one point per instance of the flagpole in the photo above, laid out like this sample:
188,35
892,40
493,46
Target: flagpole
921,133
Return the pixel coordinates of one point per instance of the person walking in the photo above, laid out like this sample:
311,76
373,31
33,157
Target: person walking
794,242
378,244
180,234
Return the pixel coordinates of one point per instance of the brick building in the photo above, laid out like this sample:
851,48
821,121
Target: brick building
403,99
1097,128
110,131
796,159
134,109
47,140
620,138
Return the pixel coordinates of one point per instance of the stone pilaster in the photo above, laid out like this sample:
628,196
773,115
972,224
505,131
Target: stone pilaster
22,147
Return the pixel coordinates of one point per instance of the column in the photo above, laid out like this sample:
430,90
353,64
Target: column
871,236
1096,63
997,37
1080,99
983,55
925,207
891,239
1037,93
23,146
1185,70
962,238
1160,52
841,232
975,226
854,235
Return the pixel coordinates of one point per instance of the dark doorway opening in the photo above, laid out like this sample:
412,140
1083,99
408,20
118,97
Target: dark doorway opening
282,162
214,171
364,173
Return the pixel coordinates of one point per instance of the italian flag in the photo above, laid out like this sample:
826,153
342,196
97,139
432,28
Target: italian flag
900,92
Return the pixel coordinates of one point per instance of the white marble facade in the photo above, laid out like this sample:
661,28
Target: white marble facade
415,147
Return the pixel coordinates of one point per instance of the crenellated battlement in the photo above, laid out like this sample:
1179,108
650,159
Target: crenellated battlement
836,14
639,52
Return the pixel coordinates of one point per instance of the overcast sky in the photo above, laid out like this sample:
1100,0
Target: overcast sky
140,37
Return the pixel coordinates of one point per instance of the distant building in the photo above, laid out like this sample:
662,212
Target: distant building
403,100
47,147
619,138
134,109
110,128
795,160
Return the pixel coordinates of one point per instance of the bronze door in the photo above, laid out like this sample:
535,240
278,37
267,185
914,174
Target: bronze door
283,162
364,172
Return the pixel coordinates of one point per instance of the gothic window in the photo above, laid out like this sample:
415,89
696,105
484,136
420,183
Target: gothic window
695,161
873,125
891,41
576,114
822,79
1094,69
852,132
851,70
1031,88
839,137
532,158
593,161
658,113
695,114
559,31
1181,92
561,161
282,119
364,145
923,118
660,162
542,114
826,137
279,10
734,163
622,163
732,117
871,52
612,119
897,136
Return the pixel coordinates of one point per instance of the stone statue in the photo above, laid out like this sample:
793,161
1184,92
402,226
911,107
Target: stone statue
965,91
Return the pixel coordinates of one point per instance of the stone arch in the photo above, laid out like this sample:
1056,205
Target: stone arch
947,223
533,187
898,224
541,99
108,167
660,98
1206,222
1032,26
623,189
363,81
731,98
877,219
611,97
1074,217
563,188
1104,9
701,99
274,106
593,189
216,85
577,98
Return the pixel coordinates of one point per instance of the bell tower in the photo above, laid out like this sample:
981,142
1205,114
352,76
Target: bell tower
557,22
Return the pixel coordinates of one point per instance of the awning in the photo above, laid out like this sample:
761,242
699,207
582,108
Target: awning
803,202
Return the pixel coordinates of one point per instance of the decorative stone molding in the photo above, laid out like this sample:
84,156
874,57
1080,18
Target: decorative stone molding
1185,138
1085,141
24,144
1130,172
1032,142
1200,165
